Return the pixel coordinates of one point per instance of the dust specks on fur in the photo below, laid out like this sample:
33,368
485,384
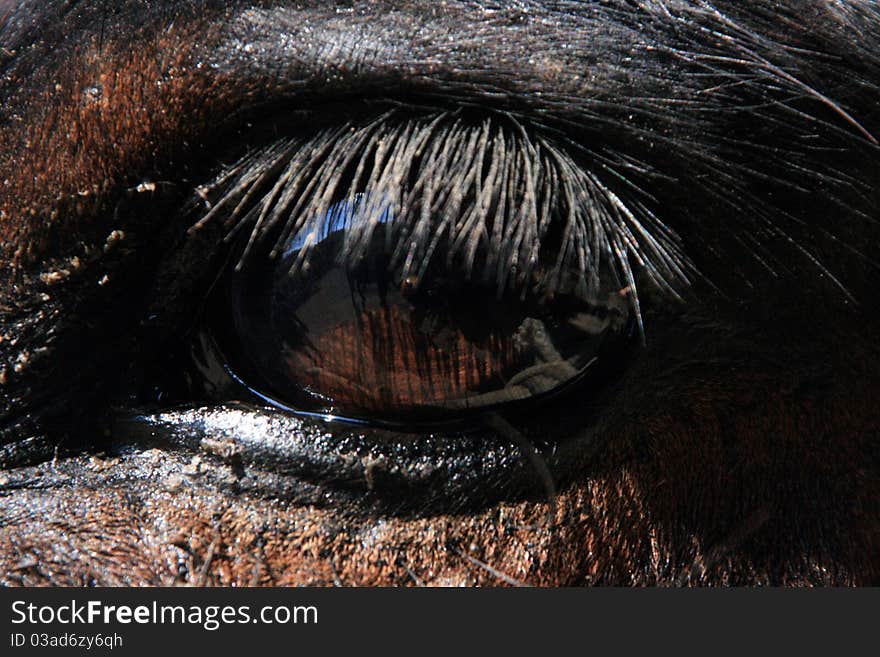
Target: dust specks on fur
113,240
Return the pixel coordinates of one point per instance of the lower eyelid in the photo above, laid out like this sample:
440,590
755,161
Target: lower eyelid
396,471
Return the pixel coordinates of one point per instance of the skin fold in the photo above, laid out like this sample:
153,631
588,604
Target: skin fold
734,443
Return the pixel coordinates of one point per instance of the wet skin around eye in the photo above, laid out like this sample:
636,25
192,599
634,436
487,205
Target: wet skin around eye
737,444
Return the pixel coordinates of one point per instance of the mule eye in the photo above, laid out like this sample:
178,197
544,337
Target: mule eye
336,323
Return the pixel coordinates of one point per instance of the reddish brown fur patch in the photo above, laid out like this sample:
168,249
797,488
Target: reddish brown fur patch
114,114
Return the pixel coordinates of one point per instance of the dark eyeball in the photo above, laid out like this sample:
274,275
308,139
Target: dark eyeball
337,322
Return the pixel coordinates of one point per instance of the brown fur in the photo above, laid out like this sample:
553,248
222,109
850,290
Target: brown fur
151,99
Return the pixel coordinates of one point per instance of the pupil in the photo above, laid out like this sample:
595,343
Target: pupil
338,323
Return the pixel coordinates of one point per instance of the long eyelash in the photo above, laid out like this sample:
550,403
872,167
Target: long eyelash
487,193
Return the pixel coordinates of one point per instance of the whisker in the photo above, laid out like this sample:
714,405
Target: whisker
504,577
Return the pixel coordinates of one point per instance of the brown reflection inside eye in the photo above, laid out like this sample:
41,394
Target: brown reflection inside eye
365,339
387,359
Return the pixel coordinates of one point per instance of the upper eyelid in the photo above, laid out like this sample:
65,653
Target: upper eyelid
520,60
370,42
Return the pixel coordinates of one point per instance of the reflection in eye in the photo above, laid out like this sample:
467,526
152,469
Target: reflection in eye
422,267
364,338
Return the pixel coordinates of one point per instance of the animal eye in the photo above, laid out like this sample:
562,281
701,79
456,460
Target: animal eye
348,329
416,270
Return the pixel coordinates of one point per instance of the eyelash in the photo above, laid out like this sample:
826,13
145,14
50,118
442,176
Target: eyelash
491,186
